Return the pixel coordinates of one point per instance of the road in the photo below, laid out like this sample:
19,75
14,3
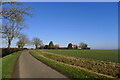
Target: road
29,67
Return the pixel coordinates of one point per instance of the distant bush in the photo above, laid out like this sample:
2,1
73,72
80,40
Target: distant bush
86,48
51,45
70,46
7,51
63,48
46,47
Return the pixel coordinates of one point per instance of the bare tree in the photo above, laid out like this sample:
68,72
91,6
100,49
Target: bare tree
37,42
13,21
83,45
10,3
23,40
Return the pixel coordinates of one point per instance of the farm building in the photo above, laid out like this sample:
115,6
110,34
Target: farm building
76,47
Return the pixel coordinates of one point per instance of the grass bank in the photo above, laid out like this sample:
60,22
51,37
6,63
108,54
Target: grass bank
69,70
8,63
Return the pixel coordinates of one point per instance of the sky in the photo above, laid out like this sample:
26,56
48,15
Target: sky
94,23
64,0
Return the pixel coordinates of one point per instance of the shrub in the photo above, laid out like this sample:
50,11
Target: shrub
70,46
51,45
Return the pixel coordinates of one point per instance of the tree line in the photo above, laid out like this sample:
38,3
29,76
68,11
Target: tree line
51,45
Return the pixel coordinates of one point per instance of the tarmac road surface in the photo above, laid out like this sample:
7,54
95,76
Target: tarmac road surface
29,67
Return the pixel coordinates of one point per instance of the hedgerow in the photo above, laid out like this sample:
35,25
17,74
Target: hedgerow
7,51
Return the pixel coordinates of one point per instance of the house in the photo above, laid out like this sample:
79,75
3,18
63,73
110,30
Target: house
79,47
56,45
76,47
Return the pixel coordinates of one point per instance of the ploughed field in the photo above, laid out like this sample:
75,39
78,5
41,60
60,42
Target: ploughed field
99,55
85,63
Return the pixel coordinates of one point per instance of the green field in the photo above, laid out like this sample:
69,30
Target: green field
68,70
101,55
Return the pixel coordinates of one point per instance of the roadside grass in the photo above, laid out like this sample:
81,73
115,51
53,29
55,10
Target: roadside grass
69,70
0,63
100,55
8,63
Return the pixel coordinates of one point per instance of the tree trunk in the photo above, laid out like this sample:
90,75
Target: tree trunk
18,46
22,47
9,43
36,46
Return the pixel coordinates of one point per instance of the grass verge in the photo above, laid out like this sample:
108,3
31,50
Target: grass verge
68,70
8,63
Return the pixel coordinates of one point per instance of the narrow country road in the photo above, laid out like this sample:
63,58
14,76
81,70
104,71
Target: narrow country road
29,67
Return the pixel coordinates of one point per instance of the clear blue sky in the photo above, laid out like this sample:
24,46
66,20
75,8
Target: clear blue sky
94,23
